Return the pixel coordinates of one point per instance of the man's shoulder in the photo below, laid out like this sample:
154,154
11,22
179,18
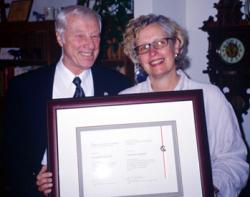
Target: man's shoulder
98,69
108,80
108,74
34,74
38,76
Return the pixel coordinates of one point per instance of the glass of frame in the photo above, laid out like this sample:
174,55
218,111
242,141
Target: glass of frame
148,144
19,10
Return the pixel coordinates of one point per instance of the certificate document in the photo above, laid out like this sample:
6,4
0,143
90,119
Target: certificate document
137,159
135,145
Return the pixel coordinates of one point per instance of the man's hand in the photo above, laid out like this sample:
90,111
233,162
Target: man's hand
44,181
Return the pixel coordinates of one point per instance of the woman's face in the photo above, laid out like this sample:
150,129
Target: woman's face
157,62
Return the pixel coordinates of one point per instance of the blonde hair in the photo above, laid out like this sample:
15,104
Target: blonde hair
171,28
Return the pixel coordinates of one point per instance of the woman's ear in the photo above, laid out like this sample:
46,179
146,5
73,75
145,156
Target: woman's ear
177,46
59,38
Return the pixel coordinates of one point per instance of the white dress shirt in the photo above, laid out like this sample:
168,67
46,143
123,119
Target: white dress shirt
63,86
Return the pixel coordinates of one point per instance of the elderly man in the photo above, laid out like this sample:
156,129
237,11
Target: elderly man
75,75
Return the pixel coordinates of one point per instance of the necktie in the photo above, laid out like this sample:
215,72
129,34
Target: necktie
79,93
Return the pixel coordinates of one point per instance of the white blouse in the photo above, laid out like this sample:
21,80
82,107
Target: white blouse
227,150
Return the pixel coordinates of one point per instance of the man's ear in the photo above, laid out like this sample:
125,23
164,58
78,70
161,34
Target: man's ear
59,38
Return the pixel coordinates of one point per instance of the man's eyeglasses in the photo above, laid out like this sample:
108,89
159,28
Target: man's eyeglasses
158,44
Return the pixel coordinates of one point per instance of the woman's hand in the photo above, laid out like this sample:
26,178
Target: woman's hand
44,181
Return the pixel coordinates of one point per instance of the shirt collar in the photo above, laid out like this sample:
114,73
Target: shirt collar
63,86
68,76
179,86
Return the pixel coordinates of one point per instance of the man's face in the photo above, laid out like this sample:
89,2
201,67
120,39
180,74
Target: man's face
80,43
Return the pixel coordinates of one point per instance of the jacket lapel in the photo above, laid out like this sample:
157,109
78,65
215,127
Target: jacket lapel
98,80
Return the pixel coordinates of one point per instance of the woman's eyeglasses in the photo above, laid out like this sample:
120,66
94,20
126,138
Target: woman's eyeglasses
158,44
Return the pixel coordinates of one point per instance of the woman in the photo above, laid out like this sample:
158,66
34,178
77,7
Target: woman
159,46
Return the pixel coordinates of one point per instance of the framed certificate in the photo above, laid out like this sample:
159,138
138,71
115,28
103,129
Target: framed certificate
150,144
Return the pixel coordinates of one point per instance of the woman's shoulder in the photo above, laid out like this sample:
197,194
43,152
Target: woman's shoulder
138,88
208,88
212,95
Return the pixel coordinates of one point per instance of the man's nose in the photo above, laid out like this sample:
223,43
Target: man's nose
88,42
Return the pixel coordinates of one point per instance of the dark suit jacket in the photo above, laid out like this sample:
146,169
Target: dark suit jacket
26,122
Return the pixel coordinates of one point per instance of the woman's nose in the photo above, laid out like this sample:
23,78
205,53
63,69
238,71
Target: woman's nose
152,51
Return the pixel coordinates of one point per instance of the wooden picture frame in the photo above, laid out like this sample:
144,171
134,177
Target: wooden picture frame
119,145
19,10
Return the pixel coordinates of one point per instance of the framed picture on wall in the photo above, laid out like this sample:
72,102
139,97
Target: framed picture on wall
130,145
19,10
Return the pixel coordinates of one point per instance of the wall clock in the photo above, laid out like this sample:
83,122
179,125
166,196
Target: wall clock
231,50
229,53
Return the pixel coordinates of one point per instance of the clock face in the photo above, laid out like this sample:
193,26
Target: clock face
231,50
